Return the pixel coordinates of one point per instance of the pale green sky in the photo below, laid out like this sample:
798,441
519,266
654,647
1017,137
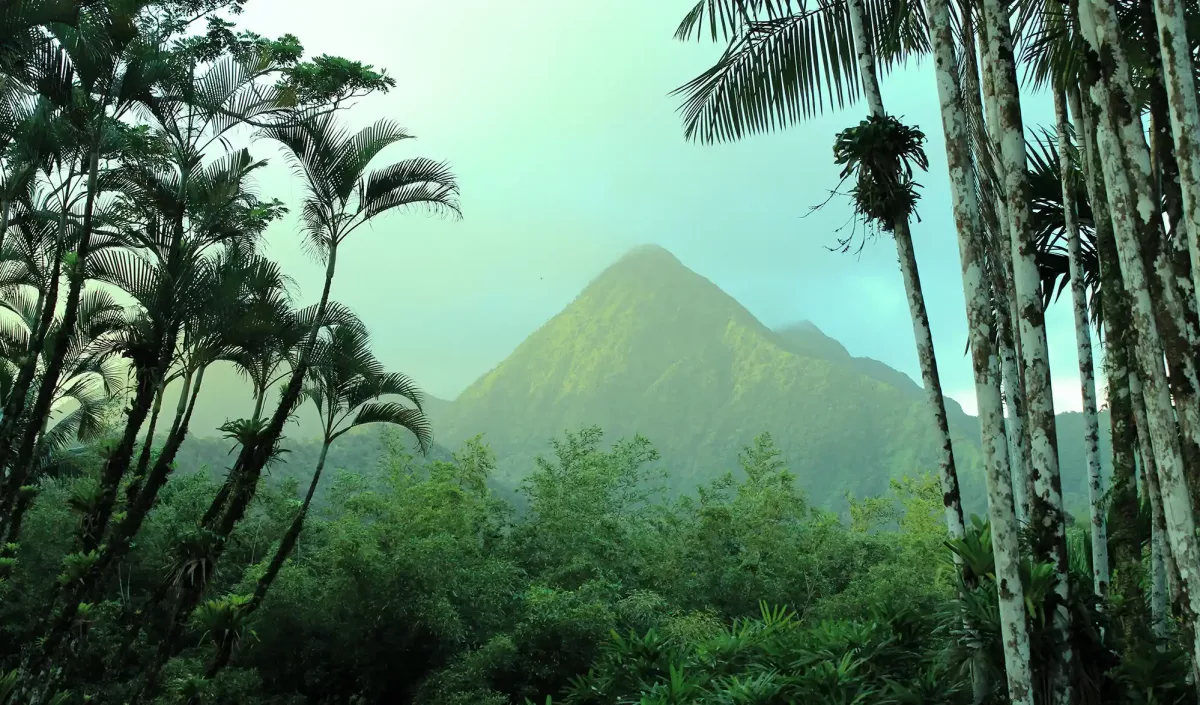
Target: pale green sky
555,115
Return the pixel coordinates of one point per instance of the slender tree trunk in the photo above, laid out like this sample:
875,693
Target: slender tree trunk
948,474
1158,585
1177,73
1014,626
134,624
286,544
1024,491
147,445
251,460
1161,422
293,533
1048,520
1083,347
1158,576
1170,568
1123,502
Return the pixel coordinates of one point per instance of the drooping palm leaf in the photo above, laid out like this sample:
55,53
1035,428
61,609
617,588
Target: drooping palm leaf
788,62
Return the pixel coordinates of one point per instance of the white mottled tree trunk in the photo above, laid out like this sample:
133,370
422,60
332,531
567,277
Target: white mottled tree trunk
1115,88
948,474
1158,583
1083,348
1179,80
1048,520
1002,275
1158,547
985,364
1121,174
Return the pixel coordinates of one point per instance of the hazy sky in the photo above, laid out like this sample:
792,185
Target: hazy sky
557,119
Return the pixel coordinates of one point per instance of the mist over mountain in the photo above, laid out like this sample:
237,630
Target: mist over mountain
651,347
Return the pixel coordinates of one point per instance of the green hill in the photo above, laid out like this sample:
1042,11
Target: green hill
652,347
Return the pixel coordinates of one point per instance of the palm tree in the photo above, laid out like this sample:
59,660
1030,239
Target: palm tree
1008,133
342,196
759,84
1155,304
1083,346
972,248
178,282
348,386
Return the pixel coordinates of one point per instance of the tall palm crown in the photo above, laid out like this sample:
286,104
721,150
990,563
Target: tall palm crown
786,60
342,193
348,385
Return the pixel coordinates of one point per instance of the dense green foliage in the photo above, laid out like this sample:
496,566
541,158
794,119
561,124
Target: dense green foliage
425,587
130,248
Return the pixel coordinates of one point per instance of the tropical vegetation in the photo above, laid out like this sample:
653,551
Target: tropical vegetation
131,260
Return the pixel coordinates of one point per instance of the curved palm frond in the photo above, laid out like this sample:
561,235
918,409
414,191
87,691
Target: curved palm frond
781,69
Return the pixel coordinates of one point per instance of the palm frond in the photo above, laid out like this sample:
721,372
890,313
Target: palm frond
787,68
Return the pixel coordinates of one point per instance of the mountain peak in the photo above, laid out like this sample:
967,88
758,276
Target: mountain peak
649,260
649,251
650,346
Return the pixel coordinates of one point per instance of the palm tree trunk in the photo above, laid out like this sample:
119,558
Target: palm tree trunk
1161,422
948,473
1083,347
1010,341
1014,626
1177,74
286,544
1124,544
251,460
1158,584
1048,520
1158,548
139,473
1150,482
119,541
135,623
293,534
930,378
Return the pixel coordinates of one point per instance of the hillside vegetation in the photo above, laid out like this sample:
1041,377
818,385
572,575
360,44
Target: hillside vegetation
651,347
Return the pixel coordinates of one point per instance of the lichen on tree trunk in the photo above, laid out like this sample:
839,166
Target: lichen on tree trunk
985,362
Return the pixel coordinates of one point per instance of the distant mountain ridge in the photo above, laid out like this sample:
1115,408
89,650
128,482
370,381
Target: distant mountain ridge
651,347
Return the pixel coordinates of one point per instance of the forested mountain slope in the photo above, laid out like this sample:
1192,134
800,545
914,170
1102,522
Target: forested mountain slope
651,347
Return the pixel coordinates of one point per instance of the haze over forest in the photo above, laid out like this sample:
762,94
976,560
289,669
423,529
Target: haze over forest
651,347
754,352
